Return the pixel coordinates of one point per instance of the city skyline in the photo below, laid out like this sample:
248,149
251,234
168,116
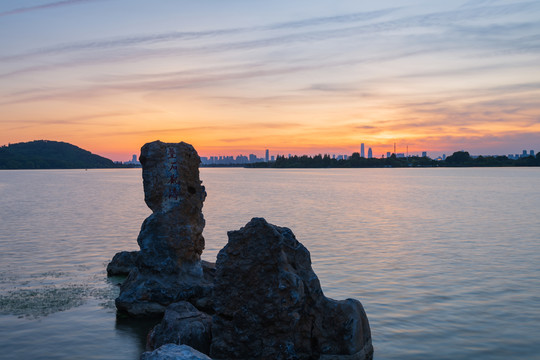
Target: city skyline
251,157
306,78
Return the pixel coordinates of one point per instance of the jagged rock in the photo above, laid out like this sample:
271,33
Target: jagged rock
269,304
168,266
174,352
182,324
122,263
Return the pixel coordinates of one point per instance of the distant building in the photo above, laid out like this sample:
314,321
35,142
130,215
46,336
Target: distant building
444,156
400,155
133,160
424,153
524,153
532,153
241,159
267,156
362,154
252,158
388,154
272,158
369,153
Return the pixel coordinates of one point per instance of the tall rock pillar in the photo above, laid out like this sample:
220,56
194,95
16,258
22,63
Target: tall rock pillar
168,266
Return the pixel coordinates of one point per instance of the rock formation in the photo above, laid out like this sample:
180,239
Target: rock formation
168,266
266,302
269,303
182,324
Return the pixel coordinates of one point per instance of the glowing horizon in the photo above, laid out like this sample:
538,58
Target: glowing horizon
237,77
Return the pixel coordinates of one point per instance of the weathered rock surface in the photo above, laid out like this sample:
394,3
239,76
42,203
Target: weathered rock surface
266,302
269,303
182,324
122,263
168,266
174,352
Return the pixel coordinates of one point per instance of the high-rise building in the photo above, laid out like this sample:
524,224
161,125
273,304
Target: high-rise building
388,154
133,160
424,153
362,154
369,153
532,153
267,157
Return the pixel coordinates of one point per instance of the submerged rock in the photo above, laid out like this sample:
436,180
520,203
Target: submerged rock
168,266
174,352
182,324
269,303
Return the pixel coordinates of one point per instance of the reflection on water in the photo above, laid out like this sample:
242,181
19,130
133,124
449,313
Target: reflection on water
445,261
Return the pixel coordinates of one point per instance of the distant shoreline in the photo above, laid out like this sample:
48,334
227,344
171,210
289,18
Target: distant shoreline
76,168
457,159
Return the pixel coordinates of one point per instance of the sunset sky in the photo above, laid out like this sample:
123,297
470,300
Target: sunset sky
303,77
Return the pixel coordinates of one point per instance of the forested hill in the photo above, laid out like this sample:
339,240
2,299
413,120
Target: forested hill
46,154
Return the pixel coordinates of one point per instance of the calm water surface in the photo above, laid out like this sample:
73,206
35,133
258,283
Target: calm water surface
445,261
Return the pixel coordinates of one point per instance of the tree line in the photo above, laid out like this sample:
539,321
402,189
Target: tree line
457,159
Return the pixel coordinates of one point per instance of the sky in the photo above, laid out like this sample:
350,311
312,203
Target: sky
302,77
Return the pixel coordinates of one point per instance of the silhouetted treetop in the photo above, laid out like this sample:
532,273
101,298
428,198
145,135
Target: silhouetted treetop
47,154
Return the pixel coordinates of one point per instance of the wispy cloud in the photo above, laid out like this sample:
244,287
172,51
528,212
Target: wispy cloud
399,23
500,38
44,6
409,70
196,35
427,44
89,119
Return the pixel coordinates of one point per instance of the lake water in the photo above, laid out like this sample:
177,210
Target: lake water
445,261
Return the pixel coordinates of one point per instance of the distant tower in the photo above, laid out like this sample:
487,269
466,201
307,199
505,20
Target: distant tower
369,153
362,154
134,158
267,158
